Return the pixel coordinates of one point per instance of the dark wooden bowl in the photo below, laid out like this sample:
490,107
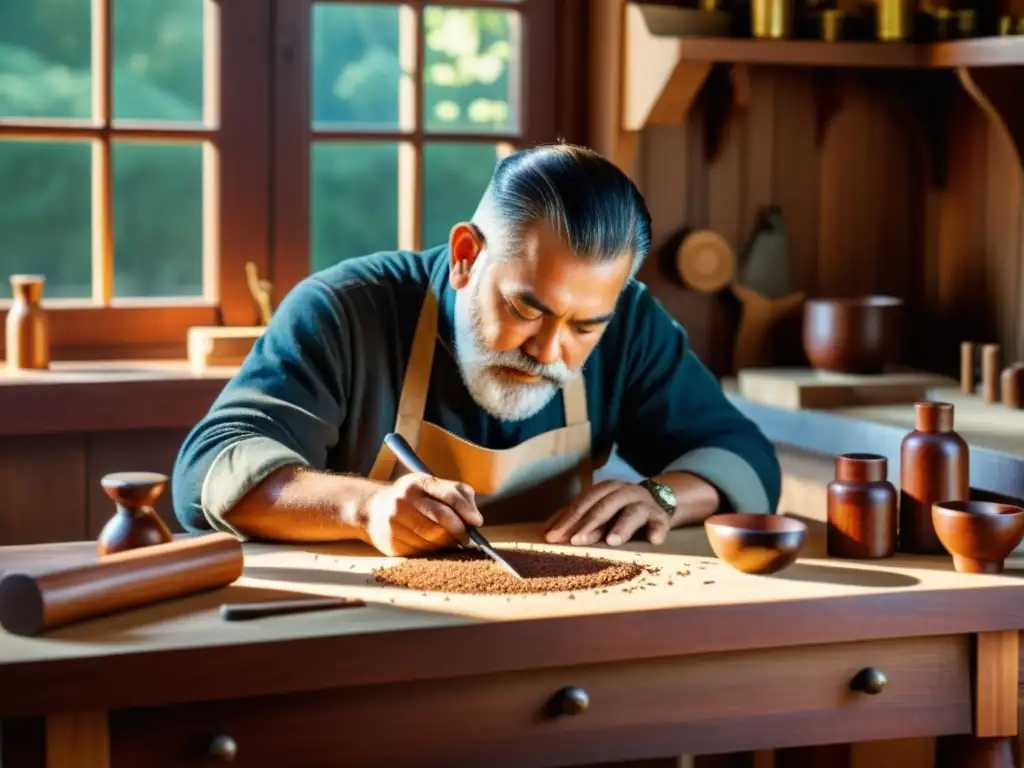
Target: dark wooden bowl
755,543
978,534
858,335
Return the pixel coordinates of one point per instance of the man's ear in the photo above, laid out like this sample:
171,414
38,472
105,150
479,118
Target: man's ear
465,244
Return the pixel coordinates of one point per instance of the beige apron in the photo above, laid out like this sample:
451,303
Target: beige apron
527,483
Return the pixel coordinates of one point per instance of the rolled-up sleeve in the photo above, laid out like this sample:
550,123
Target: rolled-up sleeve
284,407
675,417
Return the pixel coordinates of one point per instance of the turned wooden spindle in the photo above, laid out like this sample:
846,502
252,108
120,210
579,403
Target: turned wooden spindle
990,372
967,382
135,523
1012,384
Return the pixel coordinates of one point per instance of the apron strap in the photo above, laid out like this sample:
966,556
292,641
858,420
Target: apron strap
413,400
574,401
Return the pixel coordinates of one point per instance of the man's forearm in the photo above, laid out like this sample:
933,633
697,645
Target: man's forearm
298,504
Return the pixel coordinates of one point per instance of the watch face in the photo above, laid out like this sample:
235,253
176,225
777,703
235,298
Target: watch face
662,493
666,495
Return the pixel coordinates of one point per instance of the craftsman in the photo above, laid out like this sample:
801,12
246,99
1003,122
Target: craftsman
513,358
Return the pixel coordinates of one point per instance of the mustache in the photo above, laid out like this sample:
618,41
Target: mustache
557,373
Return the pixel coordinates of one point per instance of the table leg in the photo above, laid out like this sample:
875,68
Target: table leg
994,741
77,740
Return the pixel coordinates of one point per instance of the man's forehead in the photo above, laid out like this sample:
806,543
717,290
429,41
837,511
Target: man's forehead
550,274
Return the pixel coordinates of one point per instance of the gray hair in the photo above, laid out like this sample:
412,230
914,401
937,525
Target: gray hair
590,203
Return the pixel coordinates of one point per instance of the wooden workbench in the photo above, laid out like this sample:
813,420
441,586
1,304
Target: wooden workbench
718,661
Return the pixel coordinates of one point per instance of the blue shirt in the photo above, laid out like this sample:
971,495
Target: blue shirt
320,388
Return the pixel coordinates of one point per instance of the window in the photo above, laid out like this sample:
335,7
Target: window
150,148
396,115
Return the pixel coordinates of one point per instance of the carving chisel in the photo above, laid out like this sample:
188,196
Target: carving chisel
405,454
246,611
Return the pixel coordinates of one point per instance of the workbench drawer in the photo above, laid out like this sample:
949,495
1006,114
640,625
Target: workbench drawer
567,716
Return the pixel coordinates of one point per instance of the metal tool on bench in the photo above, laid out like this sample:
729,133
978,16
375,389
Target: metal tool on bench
405,454
245,611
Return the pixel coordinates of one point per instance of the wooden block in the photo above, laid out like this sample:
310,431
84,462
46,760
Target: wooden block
213,345
808,388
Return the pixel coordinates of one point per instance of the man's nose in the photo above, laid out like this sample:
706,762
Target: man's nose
546,347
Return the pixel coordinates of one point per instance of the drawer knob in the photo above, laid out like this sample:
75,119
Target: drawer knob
572,701
223,748
870,680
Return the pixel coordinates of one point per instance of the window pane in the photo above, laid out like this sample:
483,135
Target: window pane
454,178
354,200
46,215
158,219
158,59
356,69
470,82
45,55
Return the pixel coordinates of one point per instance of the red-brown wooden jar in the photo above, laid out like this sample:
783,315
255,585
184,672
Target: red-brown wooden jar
934,467
861,508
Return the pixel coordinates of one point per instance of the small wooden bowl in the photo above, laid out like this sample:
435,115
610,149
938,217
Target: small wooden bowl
978,534
755,543
858,335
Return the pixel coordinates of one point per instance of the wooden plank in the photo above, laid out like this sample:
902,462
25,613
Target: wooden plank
996,678
83,397
808,388
174,645
43,482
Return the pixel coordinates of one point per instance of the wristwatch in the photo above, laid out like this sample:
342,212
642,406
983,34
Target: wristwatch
663,495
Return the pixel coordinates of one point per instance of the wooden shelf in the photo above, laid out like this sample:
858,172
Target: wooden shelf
661,73
982,52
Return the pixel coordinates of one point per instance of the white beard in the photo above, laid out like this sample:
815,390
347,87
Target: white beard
501,397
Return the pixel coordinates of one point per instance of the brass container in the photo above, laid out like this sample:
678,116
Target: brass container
771,19
833,25
894,20
1006,25
966,24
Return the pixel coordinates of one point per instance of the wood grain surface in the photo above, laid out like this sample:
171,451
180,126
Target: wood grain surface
713,609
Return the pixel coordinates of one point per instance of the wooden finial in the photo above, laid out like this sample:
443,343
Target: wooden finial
260,290
1012,382
967,382
990,372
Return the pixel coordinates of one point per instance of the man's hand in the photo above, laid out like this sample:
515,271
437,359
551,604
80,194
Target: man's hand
418,513
620,508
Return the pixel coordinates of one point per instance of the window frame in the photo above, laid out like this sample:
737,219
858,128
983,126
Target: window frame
236,143
256,171
294,133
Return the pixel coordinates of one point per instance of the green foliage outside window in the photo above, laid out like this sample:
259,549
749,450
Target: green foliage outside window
45,72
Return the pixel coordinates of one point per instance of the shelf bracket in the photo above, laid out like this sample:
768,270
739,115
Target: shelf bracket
999,91
659,85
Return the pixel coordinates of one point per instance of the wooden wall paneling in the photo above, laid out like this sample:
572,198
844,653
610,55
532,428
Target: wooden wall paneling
761,143
870,178
42,477
726,178
795,167
663,179
130,451
1002,257
697,197
961,237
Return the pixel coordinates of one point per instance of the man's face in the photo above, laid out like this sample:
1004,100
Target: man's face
525,325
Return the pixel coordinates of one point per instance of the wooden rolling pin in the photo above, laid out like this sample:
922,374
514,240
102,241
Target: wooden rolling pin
34,603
